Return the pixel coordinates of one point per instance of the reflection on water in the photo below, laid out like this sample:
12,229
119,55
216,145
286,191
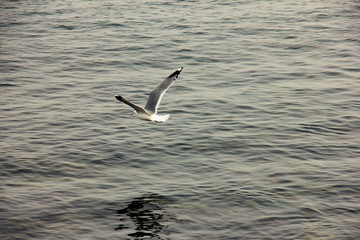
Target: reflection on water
148,215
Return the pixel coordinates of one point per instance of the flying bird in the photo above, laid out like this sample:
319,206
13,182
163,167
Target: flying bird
149,112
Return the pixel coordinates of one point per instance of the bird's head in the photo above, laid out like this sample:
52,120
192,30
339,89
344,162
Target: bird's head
134,113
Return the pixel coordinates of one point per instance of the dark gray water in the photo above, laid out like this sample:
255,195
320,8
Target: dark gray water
263,139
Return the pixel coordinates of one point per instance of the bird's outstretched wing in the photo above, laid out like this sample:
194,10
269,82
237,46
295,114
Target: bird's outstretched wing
134,106
158,92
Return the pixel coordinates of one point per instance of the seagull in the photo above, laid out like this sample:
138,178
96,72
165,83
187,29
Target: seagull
149,112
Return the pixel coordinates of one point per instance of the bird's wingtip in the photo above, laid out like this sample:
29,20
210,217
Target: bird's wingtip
118,97
176,73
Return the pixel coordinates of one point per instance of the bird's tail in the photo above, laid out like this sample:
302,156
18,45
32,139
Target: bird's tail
161,118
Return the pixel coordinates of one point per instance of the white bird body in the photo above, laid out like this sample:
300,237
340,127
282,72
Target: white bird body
149,112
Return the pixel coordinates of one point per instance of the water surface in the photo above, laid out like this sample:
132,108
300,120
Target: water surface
262,142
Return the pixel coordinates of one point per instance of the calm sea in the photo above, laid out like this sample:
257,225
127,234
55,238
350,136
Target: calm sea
263,141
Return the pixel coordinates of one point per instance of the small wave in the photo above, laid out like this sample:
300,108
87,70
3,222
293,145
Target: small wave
322,129
7,85
66,27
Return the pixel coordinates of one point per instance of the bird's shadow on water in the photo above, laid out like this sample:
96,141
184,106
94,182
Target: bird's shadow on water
148,215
